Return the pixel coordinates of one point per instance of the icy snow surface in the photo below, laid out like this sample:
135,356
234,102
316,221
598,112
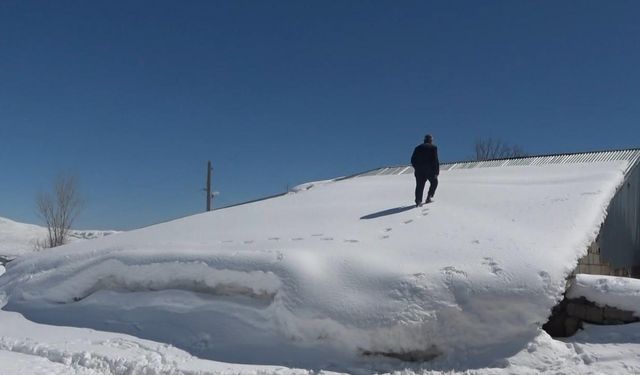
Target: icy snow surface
620,292
319,277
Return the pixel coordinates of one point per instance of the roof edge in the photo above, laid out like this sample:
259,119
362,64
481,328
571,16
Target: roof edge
548,155
633,158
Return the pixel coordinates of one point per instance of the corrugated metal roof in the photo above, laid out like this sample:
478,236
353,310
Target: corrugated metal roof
631,155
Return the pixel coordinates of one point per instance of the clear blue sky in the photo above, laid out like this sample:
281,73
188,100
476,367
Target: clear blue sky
135,96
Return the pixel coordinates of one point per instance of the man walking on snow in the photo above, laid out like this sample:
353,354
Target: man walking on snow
426,167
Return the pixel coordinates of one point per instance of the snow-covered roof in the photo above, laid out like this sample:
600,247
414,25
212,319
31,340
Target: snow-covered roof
341,268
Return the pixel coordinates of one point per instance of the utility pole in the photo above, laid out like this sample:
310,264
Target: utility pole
209,194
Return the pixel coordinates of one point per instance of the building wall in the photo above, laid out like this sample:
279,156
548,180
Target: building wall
593,263
616,251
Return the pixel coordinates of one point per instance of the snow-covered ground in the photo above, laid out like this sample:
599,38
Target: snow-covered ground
29,348
332,276
19,238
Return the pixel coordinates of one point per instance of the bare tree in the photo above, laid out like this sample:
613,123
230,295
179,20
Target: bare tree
59,209
490,148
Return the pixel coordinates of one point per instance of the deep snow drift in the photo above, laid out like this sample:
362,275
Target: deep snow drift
19,238
322,276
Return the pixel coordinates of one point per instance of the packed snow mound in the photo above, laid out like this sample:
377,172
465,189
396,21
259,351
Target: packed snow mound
620,292
347,268
18,238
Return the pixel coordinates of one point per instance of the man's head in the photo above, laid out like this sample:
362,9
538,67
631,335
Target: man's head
428,138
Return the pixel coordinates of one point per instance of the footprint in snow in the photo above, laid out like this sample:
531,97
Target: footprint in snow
248,242
317,235
327,238
351,241
451,270
492,264
122,343
475,242
559,199
591,192
386,233
297,239
274,238
227,241
408,221
546,280
458,284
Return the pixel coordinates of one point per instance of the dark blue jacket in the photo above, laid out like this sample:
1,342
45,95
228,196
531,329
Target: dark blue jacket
425,159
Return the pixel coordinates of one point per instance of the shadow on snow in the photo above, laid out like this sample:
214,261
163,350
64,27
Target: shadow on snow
391,211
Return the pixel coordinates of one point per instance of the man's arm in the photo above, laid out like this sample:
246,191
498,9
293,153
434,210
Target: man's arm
435,150
414,157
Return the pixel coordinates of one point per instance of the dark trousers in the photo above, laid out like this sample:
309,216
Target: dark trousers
421,180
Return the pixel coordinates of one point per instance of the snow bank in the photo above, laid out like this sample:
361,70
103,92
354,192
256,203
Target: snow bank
620,292
30,348
319,278
17,239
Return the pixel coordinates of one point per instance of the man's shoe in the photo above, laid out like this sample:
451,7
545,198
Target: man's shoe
429,200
